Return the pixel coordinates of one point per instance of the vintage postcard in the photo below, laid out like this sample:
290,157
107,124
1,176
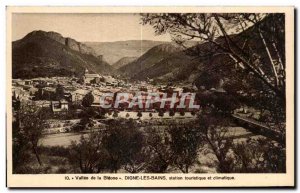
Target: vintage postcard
150,97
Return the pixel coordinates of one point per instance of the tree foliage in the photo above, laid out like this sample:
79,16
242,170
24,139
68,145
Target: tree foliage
28,130
185,141
88,100
59,92
248,49
88,154
124,143
158,142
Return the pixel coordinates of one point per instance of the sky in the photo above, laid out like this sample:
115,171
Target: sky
104,27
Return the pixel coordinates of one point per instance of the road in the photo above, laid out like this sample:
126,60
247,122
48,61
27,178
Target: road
260,128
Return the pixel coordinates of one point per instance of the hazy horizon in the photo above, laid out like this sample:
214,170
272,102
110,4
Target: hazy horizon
95,41
83,27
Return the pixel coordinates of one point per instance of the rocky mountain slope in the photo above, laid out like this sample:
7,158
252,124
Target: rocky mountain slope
123,62
47,54
148,60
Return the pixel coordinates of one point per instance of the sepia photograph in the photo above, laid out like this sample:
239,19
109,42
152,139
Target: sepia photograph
150,97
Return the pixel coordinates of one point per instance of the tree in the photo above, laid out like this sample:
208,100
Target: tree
88,154
21,147
82,125
225,103
138,161
210,27
88,100
89,112
59,92
31,123
124,143
161,154
171,113
115,114
250,155
193,113
259,156
208,80
139,114
101,113
182,113
215,133
71,114
150,115
16,103
39,94
185,141
161,113
205,99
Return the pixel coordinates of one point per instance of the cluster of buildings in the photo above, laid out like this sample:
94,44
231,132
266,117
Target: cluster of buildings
43,91
60,94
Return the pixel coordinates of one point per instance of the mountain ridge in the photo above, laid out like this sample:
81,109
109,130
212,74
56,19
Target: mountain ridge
149,59
185,66
123,61
41,54
114,51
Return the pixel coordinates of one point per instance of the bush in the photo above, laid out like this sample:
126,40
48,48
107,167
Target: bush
115,115
54,150
171,113
161,113
139,114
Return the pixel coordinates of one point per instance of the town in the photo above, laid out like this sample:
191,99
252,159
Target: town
65,96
